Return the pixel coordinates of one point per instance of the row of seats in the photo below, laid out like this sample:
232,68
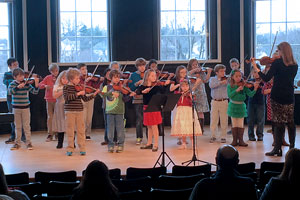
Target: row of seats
138,180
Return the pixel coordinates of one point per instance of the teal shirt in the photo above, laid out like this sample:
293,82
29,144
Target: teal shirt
238,110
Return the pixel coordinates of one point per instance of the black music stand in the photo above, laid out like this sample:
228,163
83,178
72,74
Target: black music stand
163,103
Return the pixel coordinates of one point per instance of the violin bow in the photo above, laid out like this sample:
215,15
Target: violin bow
273,44
123,69
30,74
161,70
84,84
158,79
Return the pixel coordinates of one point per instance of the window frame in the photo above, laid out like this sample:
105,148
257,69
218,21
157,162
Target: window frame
219,41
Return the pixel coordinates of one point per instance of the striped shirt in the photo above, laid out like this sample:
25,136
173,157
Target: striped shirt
20,96
72,101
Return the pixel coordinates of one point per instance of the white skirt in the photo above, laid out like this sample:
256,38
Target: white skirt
182,124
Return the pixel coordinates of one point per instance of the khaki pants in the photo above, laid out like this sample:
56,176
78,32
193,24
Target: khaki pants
50,111
218,111
88,109
75,119
22,120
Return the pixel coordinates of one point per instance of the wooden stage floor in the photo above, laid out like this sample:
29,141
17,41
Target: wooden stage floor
45,157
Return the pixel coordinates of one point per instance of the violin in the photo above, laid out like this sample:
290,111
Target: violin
166,75
192,79
224,78
246,84
265,60
87,89
142,75
161,83
30,80
202,70
121,88
94,78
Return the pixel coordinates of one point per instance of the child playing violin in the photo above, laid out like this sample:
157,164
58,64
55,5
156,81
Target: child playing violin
137,79
59,113
182,125
48,83
115,109
74,111
148,88
20,102
202,77
237,92
88,107
256,111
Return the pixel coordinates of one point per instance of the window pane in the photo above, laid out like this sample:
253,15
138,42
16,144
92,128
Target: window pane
293,33
99,24
262,50
197,23
293,13
84,48
182,48
167,23
167,48
278,11
67,5
99,5
83,5
67,24
262,11
99,48
182,22
4,14
167,4
263,34
281,36
84,23
182,5
198,47
198,5
4,38
68,49
4,55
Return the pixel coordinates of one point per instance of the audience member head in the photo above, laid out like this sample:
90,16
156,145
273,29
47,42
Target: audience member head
227,157
291,169
96,180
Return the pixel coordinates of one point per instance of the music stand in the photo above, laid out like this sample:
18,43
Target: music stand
163,103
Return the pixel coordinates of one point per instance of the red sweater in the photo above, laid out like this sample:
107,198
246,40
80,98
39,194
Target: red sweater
48,80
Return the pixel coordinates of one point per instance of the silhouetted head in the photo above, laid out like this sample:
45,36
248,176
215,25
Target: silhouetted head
227,157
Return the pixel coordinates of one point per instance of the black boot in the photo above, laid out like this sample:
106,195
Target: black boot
60,138
235,136
292,134
278,132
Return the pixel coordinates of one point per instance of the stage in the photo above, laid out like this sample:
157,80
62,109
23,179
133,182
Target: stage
45,156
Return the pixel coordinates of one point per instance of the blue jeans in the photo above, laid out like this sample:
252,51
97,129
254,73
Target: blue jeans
115,122
105,125
256,112
139,120
13,133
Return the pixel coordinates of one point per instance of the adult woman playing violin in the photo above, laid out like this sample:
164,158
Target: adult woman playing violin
284,71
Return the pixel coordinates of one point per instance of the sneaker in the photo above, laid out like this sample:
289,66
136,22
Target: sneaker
15,147
179,142
223,140
119,149
87,137
69,153
212,139
260,138
9,141
49,138
82,153
110,149
229,132
252,139
29,146
138,141
104,143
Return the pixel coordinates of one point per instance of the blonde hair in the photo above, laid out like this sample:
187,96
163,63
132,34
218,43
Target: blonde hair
146,76
71,73
53,66
189,66
59,78
113,63
287,53
177,72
